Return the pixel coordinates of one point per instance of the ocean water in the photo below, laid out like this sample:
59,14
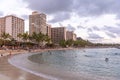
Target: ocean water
89,62
78,64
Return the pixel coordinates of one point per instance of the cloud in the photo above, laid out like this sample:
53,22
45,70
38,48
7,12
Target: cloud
83,7
96,7
25,16
94,36
50,6
80,27
1,13
59,17
70,28
96,28
115,30
111,35
90,30
61,9
60,24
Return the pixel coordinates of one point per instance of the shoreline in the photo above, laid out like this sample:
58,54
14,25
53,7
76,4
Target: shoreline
19,51
10,72
29,66
5,74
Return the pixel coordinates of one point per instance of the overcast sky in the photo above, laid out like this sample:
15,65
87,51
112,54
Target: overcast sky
95,20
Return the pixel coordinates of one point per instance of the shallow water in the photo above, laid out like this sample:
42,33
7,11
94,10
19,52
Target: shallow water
81,64
90,61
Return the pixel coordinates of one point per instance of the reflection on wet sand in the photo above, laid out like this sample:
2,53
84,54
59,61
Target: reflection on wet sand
9,72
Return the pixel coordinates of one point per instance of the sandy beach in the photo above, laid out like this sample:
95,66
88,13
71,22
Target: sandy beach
9,72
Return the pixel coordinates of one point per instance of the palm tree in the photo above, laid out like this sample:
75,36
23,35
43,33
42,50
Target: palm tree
62,43
19,35
40,38
5,36
30,38
69,43
24,36
47,39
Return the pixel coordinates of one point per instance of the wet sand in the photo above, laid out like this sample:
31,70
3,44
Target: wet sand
9,72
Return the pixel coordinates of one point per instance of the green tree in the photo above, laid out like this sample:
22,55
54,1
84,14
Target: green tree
19,35
24,36
39,38
1,42
5,36
82,43
62,43
69,43
47,39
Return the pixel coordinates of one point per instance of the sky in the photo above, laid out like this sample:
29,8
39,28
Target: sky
94,20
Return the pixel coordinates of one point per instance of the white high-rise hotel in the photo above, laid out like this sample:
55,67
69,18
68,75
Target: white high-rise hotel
37,23
12,25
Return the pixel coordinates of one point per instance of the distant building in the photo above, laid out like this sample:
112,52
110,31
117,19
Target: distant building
70,35
49,30
74,37
12,25
2,25
37,23
58,34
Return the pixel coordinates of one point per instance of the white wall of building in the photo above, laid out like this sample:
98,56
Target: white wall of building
8,23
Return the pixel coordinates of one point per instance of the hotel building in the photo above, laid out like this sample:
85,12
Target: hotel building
12,25
58,34
49,30
71,35
2,25
74,37
37,23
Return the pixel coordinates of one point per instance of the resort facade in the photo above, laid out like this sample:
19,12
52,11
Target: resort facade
37,23
12,25
49,30
71,35
58,34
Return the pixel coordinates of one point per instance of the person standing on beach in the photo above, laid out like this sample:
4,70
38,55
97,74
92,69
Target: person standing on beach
1,54
10,53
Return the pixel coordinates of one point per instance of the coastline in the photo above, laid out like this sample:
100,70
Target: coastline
8,71
13,52
31,67
4,65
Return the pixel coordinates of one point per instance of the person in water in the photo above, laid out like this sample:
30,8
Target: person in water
106,59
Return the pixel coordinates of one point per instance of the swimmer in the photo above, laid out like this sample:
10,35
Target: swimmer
40,53
106,59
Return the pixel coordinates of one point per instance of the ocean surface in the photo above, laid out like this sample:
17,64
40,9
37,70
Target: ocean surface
78,64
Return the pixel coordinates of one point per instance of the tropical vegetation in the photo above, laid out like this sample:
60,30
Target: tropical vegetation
41,40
